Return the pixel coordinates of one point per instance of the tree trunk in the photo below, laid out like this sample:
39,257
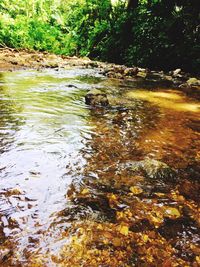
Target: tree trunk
132,4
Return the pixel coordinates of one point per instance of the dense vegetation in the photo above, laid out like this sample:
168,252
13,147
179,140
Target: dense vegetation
156,34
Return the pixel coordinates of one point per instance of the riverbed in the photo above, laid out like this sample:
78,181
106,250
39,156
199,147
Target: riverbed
78,183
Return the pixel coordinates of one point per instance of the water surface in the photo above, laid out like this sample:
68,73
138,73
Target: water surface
52,146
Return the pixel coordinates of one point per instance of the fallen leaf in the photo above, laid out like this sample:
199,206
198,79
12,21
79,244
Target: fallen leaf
197,259
100,227
157,221
145,238
172,212
124,230
85,191
112,197
116,242
136,190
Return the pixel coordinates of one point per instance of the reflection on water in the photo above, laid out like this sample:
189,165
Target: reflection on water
9,123
63,163
42,120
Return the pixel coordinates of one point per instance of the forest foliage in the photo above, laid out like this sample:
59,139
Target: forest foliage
155,34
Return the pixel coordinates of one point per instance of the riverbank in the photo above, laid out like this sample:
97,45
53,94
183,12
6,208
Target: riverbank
12,59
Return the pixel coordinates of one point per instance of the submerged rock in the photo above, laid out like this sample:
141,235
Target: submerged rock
96,98
88,200
154,169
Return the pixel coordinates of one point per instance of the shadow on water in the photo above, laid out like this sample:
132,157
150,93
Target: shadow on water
86,186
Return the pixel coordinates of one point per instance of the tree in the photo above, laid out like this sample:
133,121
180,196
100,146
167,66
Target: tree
132,4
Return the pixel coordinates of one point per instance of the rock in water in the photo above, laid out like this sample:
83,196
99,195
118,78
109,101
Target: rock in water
193,82
96,98
155,170
176,73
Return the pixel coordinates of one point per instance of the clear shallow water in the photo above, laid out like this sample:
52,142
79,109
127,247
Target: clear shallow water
43,122
50,138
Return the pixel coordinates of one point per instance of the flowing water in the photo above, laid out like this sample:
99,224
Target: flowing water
64,165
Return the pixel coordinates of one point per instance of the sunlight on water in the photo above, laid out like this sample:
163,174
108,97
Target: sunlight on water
170,100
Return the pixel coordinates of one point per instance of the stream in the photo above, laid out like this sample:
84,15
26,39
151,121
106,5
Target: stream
85,186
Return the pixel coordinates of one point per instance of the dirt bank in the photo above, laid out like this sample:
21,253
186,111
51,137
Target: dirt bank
11,59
